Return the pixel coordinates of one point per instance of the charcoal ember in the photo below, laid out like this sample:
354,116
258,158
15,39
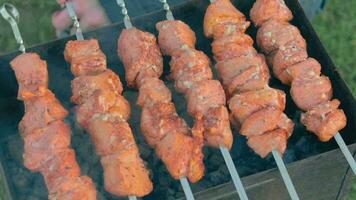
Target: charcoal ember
217,177
38,187
289,155
95,171
84,168
145,151
214,161
15,149
224,170
165,180
178,195
20,179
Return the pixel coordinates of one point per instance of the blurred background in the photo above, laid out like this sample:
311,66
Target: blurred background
333,20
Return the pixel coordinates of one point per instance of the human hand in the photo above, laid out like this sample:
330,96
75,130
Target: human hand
90,15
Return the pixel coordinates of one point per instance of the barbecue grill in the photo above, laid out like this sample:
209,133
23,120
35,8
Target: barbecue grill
318,170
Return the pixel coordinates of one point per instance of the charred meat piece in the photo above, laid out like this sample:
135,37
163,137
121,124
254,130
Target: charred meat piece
286,57
308,92
31,74
264,10
83,87
274,35
220,12
244,104
173,34
73,188
205,95
189,68
43,143
273,140
153,91
140,55
265,120
41,111
308,68
159,120
125,173
85,57
325,120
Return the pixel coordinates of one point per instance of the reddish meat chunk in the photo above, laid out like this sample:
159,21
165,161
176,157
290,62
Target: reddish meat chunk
264,10
307,68
308,92
140,55
62,164
284,58
31,75
109,135
221,45
205,95
40,111
234,50
173,34
83,87
73,188
244,104
125,173
43,143
265,120
196,167
153,90
269,141
220,12
85,57
159,120
325,120
222,30
188,68
274,35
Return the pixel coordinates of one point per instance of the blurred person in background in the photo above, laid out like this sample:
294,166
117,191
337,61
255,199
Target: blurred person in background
98,13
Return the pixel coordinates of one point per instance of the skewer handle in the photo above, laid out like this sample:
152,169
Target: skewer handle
186,188
71,12
233,172
350,159
11,15
127,20
169,14
284,173
132,198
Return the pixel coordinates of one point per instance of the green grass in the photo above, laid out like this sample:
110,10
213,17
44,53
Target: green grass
336,26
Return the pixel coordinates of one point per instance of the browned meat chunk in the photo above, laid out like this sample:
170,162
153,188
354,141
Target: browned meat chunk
264,10
173,34
85,57
188,68
308,92
31,74
83,87
125,173
214,125
274,35
109,135
159,120
140,55
43,143
78,188
287,57
60,165
196,166
325,120
265,120
234,50
40,111
229,29
309,67
244,104
205,95
221,45
153,90
269,141
220,12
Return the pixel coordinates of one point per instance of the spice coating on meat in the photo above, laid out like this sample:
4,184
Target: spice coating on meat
103,112
190,69
46,137
162,128
287,53
255,108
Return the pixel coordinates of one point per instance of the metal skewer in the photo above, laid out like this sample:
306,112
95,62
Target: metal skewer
224,151
11,14
350,159
79,36
184,181
284,173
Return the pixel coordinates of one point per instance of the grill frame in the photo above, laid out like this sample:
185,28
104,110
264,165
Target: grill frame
307,174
